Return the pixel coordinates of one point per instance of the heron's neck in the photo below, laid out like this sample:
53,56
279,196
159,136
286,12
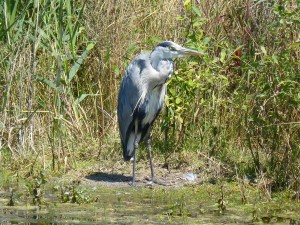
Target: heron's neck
163,65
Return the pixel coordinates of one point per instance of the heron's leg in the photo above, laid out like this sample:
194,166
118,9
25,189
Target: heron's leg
150,158
136,144
134,161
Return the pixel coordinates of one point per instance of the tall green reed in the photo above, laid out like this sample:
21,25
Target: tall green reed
52,33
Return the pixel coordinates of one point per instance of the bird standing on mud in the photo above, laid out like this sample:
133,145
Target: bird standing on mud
141,96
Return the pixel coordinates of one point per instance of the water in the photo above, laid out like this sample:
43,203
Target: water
198,204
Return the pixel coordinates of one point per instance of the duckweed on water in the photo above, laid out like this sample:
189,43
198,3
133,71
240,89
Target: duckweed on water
201,204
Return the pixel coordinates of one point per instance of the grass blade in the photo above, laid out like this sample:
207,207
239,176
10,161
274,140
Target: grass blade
79,61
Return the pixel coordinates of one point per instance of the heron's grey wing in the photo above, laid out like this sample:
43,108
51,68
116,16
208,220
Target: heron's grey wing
129,96
127,99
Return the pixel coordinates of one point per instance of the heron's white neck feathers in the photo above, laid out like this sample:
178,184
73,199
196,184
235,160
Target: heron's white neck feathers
159,76
163,64
157,56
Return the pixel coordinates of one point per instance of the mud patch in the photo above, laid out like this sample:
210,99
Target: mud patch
121,176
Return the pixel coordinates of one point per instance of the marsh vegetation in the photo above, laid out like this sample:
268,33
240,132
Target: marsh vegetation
233,115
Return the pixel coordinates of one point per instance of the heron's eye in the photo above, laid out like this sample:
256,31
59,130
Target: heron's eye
172,48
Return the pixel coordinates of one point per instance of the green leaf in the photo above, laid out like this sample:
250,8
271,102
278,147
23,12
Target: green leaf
275,58
178,100
171,111
197,11
69,16
206,40
222,77
76,29
215,59
296,125
186,2
296,21
263,49
190,83
223,55
79,61
82,97
156,39
13,13
116,70
46,81
172,92
180,120
197,24
131,48
295,44
179,18
90,46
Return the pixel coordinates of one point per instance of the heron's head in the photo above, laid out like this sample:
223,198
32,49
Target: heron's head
169,50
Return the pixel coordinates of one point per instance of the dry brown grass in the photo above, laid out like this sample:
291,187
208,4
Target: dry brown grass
121,30
41,126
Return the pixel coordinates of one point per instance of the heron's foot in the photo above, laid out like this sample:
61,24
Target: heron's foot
132,184
156,181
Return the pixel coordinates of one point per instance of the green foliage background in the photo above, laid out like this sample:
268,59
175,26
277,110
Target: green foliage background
62,62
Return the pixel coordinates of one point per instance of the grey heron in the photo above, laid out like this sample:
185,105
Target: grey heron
141,96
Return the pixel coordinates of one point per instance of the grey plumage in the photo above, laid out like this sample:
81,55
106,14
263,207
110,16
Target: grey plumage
141,96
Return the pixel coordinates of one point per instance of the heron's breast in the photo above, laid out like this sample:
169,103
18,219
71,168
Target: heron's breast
153,104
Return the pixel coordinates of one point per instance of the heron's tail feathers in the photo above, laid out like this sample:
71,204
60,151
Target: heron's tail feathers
127,157
128,146
127,154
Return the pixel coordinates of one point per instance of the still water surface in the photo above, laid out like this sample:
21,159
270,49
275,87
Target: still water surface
201,204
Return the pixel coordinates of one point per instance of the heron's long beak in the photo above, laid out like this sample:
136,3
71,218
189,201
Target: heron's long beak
187,51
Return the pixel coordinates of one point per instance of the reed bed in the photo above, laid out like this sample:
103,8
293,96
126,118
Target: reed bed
62,63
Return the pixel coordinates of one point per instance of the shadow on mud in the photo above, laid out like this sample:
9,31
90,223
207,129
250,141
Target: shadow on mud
106,177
